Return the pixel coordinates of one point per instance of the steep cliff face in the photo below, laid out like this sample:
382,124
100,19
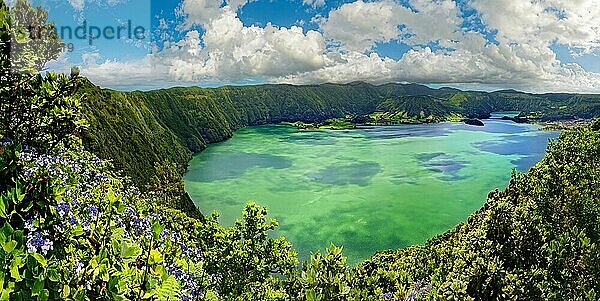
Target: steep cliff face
136,129
126,130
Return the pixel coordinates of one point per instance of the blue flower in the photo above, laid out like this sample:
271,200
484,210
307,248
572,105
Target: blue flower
36,242
156,216
29,225
78,267
192,253
417,290
93,211
141,226
87,226
29,172
75,202
387,296
62,209
119,221
190,287
130,211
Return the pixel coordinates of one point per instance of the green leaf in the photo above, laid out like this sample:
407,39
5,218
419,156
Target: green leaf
131,251
148,295
7,230
20,196
311,295
3,205
117,234
169,290
157,229
111,196
53,275
14,273
211,296
38,286
40,258
104,275
78,231
9,246
44,294
155,257
66,291
5,296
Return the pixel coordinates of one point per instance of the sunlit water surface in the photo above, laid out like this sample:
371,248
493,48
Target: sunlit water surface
368,189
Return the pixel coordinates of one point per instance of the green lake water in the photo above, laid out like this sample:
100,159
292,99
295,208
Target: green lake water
368,189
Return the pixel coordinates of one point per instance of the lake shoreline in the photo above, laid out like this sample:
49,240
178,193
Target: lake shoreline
546,126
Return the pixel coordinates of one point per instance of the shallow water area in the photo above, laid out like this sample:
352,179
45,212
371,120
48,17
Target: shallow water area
368,189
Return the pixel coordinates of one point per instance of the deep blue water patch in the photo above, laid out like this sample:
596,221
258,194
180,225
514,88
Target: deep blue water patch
232,165
524,163
496,126
357,173
517,144
530,147
447,165
421,130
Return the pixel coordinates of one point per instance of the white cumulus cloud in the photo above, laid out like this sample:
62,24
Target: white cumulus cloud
341,50
314,3
233,51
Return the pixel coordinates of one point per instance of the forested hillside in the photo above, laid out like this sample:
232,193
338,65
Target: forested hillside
171,124
138,129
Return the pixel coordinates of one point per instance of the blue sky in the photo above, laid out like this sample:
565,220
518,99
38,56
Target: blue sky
101,15
283,13
537,47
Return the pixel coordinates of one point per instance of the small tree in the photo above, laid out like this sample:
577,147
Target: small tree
36,110
33,40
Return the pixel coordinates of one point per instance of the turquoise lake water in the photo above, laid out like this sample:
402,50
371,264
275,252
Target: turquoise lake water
369,189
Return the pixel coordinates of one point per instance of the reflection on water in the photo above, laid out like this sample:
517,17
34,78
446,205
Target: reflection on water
358,173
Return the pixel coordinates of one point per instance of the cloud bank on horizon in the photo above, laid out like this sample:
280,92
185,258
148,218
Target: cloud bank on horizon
531,45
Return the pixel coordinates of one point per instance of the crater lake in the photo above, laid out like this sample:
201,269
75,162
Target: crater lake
367,189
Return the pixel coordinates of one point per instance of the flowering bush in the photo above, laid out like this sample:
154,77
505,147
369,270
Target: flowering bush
71,230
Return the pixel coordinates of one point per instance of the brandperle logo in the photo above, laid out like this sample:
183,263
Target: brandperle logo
99,29
88,32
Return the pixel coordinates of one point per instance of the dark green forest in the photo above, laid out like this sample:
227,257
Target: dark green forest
72,227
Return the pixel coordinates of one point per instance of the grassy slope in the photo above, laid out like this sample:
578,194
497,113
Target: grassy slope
418,106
